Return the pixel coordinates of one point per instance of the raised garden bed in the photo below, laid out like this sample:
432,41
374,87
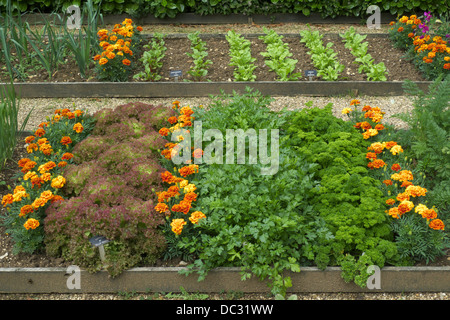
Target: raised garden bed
398,68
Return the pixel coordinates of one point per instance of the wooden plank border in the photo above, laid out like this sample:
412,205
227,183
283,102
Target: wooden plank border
164,279
201,89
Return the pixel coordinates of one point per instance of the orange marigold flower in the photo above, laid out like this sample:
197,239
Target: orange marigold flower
103,61
78,127
394,213
428,214
66,140
168,177
416,191
56,198
195,216
187,111
354,102
437,224
7,199
387,182
197,153
67,156
390,202
26,209
400,29
403,196
29,139
28,166
173,191
396,167
126,62
31,224
371,155
190,196
185,206
161,207
39,132
172,120
405,206
139,28
62,164
379,127
188,170
22,162
164,132
45,177
447,66
365,125
378,163
39,202
366,108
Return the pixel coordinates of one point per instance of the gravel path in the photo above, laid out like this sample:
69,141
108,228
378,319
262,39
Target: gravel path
42,108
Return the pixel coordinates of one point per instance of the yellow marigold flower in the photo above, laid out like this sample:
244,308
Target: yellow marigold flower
103,61
405,206
394,213
420,208
396,149
31,224
195,216
189,188
346,110
177,225
377,147
46,195
39,202
415,191
58,182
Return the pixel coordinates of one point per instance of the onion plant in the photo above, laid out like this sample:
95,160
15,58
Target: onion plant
9,123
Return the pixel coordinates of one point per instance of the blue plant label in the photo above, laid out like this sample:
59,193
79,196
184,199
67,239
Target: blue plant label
98,241
176,73
311,73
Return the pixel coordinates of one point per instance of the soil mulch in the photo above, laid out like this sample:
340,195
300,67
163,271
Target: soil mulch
381,49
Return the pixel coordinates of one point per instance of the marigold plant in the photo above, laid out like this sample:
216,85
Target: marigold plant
118,50
40,178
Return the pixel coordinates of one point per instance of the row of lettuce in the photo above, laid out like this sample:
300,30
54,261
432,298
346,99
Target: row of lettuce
349,193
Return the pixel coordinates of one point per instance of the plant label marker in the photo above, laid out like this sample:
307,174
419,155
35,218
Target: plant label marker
99,241
310,74
176,74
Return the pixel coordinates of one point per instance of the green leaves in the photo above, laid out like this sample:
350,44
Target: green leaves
324,58
152,59
241,57
199,54
355,43
277,56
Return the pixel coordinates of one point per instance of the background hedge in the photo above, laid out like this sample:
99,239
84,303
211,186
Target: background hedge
170,8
